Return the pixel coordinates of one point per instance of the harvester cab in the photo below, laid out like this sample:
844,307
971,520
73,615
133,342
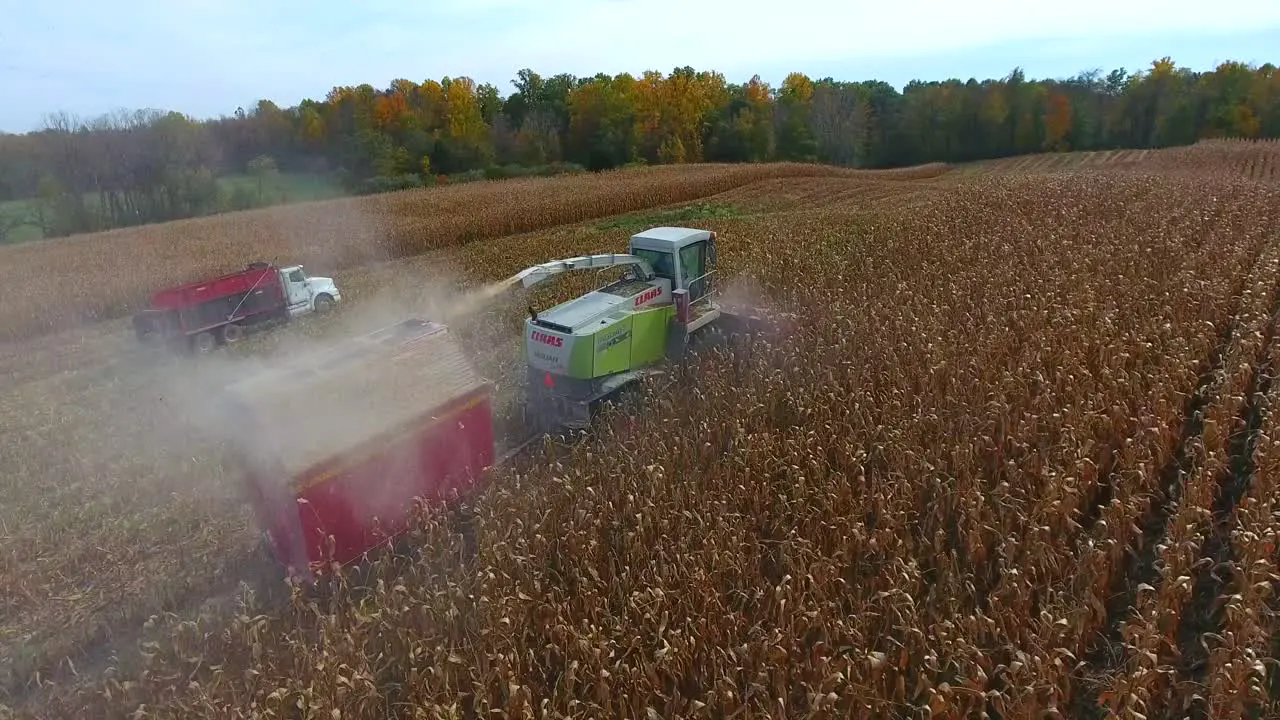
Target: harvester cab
588,349
686,258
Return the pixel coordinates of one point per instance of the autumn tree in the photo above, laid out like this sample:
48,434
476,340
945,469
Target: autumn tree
1057,122
648,96
464,141
1234,107
143,166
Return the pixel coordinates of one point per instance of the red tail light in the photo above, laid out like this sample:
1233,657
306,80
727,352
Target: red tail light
548,380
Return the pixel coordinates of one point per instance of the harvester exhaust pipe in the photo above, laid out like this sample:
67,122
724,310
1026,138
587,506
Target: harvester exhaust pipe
681,297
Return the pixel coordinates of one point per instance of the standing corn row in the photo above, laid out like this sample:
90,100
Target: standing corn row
1242,673
1152,636
1114,487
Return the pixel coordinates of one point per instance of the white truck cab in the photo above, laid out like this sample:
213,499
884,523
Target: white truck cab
305,294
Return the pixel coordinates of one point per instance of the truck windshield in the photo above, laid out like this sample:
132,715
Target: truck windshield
661,262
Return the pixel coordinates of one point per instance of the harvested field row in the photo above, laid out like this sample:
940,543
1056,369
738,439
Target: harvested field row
1254,159
917,499
1059,162
824,193
46,284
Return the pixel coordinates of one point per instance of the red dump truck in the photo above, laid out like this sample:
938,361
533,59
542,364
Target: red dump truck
202,315
339,446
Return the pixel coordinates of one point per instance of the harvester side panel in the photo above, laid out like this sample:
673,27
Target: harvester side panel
649,335
612,348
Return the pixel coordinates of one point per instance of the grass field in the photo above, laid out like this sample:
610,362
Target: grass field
19,209
1014,454
285,188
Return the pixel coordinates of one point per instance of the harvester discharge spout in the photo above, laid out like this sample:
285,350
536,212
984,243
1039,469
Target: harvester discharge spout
531,276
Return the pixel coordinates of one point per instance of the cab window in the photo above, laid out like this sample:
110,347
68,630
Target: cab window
693,265
296,276
691,261
661,262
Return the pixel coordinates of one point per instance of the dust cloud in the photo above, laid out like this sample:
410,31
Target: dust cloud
153,430
188,409
744,296
138,456
484,296
193,382
171,424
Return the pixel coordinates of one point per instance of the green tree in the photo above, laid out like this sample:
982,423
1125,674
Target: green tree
602,122
794,127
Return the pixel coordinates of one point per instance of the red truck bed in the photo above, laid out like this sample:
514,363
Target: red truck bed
184,296
182,311
341,444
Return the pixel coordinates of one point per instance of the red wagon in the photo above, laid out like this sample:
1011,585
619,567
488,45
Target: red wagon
339,446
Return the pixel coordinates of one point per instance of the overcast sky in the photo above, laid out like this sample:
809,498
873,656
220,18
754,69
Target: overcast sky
206,57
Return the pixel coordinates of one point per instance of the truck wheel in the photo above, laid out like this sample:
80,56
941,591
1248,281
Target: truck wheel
324,304
204,342
232,333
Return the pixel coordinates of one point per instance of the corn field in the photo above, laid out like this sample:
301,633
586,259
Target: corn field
46,281
1011,453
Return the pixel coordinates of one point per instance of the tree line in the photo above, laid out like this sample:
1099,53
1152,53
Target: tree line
147,166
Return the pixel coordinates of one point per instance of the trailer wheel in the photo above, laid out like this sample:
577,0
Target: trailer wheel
204,342
233,332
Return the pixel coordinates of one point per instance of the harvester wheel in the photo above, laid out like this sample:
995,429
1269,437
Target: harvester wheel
204,342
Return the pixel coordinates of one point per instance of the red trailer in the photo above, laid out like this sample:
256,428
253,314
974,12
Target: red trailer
202,314
339,446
